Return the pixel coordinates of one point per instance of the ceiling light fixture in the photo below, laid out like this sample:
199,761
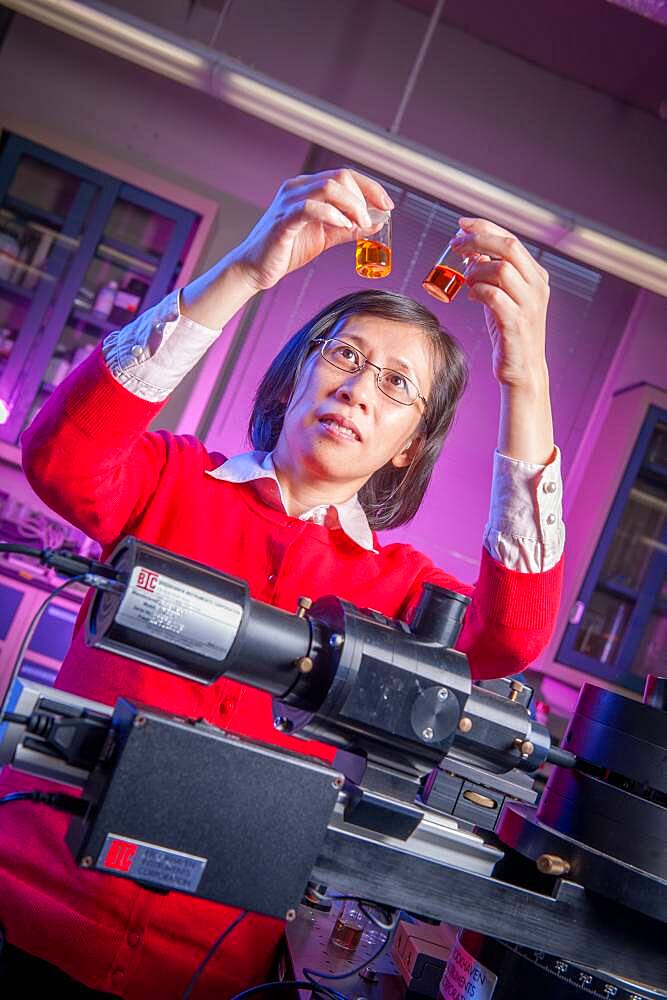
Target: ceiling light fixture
325,125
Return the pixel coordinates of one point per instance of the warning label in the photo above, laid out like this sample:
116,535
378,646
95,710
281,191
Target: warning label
465,978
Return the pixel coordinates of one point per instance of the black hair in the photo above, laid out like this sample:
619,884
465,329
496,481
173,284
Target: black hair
391,496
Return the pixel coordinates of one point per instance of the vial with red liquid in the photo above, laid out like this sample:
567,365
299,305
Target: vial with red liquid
373,247
445,279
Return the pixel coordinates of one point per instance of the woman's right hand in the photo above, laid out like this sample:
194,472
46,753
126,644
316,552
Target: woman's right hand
308,215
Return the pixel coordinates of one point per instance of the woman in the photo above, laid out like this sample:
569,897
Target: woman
346,427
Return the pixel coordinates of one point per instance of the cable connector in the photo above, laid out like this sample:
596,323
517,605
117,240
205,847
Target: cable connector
73,565
76,737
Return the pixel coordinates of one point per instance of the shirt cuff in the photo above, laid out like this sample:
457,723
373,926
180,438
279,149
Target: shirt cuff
525,531
151,355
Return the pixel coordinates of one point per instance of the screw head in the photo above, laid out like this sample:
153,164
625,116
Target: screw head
86,862
443,694
290,915
139,721
427,734
465,724
338,782
282,724
335,640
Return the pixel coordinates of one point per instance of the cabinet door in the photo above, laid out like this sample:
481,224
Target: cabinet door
130,266
52,213
80,255
619,627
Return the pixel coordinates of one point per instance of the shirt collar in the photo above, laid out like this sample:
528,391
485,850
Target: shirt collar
258,467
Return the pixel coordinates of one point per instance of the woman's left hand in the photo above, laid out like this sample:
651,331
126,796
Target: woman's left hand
514,290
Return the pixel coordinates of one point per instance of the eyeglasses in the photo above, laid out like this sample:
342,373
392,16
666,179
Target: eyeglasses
347,358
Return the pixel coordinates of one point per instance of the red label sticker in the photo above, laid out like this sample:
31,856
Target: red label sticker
147,580
119,856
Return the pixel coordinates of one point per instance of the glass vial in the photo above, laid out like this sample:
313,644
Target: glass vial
445,279
349,926
373,250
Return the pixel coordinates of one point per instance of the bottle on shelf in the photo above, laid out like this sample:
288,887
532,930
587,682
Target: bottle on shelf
127,301
105,298
57,368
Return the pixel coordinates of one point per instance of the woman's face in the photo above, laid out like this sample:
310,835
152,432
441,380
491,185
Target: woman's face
379,428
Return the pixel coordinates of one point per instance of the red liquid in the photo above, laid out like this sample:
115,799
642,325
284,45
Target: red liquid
373,259
443,282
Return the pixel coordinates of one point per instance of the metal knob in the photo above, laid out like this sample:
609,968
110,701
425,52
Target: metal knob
516,687
655,692
302,605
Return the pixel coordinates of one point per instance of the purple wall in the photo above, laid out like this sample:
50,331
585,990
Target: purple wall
486,108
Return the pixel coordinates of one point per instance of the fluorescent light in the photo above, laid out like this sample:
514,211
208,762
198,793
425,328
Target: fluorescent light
325,125
609,254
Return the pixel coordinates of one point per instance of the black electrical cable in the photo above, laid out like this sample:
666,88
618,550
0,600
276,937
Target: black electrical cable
320,989
289,984
21,550
210,953
21,720
58,800
65,562
365,905
19,797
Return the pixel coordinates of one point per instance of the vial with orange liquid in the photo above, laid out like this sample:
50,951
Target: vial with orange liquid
373,249
445,279
349,926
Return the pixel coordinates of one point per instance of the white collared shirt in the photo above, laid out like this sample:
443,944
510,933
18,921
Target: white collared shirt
258,467
525,530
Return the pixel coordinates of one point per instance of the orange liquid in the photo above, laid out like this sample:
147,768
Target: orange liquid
345,936
373,259
443,282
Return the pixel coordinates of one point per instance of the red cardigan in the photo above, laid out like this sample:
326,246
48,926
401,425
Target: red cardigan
89,456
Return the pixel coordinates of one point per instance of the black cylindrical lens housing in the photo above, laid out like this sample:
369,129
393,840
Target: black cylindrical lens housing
439,615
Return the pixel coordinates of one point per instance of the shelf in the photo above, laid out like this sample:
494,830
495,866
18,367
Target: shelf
149,261
15,291
127,261
96,319
618,590
76,237
654,473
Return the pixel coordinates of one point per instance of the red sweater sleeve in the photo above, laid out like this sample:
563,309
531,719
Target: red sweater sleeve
88,454
510,618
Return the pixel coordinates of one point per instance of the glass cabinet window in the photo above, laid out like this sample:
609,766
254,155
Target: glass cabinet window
135,227
46,188
81,253
619,626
